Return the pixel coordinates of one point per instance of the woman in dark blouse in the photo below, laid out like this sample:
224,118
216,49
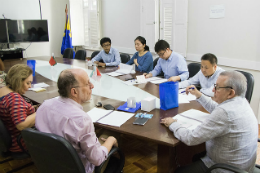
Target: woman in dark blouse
143,58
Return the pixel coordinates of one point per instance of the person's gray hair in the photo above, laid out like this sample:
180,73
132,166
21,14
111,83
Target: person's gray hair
237,81
66,81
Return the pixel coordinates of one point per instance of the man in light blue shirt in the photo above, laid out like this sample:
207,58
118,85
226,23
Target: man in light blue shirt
206,77
109,55
171,63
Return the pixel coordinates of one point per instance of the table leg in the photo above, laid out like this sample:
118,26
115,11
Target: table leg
165,159
169,158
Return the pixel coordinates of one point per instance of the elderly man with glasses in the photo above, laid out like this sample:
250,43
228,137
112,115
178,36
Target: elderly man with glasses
231,130
171,63
65,116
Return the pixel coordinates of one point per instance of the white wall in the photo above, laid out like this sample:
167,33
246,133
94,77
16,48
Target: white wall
116,21
54,12
234,37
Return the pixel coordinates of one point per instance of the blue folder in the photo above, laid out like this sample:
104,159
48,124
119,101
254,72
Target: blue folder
125,108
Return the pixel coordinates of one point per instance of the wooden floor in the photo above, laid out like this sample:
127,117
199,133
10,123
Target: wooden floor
141,157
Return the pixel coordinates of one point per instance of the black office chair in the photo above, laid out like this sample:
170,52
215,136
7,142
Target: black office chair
124,57
154,64
5,144
94,54
53,153
193,68
250,84
68,53
81,54
231,168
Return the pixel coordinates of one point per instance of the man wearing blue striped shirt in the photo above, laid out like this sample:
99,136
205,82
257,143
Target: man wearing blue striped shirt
109,55
206,77
171,63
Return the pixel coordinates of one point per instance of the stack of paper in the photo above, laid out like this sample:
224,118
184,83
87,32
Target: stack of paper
96,113
109,117
116,118
141,79
159,81
123,69
39,87
191,119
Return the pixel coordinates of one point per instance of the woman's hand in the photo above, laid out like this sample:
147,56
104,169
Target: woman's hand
135,61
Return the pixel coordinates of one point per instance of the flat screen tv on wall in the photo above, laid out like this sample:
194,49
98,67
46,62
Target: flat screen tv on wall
28,31
3,33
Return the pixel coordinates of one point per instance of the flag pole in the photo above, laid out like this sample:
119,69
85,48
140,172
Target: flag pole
66,13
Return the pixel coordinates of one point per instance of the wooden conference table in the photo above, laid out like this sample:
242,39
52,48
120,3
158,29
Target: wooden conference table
169,150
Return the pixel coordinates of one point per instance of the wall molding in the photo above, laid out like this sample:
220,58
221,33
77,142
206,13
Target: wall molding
229,62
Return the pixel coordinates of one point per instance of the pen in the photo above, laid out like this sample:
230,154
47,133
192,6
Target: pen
185,91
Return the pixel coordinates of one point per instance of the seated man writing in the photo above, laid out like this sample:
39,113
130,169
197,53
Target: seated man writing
109,55
231,130
65,116
171,63
206,77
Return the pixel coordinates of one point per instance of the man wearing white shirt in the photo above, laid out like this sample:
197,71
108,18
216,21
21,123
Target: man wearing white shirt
206,77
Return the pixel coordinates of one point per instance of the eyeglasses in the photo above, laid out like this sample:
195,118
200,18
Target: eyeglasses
216,87
87,85
106,45
161,54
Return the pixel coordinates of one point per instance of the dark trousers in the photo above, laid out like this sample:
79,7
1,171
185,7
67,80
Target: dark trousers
196,167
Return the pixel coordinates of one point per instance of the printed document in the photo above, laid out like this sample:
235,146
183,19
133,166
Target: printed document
109,117
191,119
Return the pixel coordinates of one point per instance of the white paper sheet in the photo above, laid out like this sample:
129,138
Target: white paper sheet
141,79
195,114
153,78
184,96
97,113
39,85
124,68
159,81
183,99
192,118
116,118
186,122
114,74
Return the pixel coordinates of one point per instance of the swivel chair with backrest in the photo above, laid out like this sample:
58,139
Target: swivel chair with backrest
124,57
68,53
5,144
94,54
81,55
232,168
250,84
154,64
53,153
193,68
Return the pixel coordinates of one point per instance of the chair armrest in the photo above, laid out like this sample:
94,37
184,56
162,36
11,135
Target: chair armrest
226,167
112,151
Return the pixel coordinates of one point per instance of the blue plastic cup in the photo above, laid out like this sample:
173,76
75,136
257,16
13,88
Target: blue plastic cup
31,64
